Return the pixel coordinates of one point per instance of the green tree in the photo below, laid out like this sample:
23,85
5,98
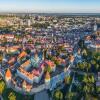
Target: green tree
93,62
81,66
47,69
92,79
58,95
98,89
2,87
1,58
68,80
69,96
97,67
12,96
88,67
85,80
90,97
86,89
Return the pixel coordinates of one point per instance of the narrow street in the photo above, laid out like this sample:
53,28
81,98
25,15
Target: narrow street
72,83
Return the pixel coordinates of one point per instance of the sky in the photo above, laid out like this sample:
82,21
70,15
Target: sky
58,6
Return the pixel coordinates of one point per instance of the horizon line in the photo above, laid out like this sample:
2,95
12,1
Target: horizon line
53,12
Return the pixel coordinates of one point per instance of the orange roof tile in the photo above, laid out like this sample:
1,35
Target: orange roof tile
26,63
22,54
27,74
11,60
50,63
8,73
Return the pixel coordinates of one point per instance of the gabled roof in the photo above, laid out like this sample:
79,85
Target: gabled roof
25,64
23,54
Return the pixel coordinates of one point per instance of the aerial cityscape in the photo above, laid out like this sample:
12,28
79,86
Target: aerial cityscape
49,51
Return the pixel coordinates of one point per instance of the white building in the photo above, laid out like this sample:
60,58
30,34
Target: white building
95,27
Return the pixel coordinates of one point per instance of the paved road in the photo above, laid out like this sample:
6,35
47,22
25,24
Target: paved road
72,83
42,96
81,72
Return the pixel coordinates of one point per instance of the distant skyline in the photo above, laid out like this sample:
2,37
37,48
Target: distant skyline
50,6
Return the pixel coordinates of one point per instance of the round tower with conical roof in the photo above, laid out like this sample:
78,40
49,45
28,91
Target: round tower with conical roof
8,77
47,80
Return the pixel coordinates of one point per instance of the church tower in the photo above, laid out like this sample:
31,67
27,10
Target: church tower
47,80
8,76
95,27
